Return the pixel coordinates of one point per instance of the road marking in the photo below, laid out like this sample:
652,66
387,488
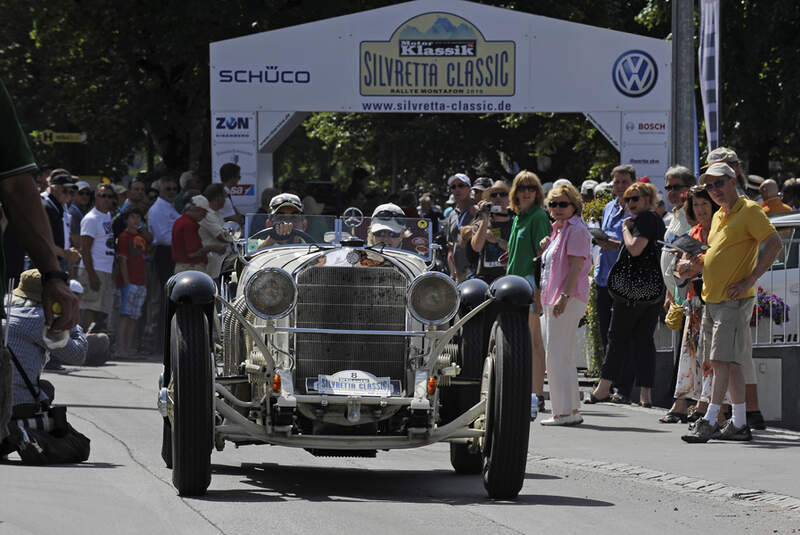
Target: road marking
688,484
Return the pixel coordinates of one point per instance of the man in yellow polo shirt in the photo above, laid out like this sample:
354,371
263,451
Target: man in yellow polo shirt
732,266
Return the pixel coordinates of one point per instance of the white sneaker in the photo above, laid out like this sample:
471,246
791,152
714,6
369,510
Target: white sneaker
572,419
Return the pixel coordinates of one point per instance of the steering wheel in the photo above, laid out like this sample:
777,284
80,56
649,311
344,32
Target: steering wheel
353,217
288,238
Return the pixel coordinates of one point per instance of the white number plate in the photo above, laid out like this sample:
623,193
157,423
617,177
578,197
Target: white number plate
353,383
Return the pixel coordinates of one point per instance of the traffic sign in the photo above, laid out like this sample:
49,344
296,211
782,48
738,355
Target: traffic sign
48,137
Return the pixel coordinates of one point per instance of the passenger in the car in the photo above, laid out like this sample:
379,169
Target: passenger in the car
385,229
286,218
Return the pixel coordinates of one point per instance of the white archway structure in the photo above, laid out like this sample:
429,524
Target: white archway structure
436,56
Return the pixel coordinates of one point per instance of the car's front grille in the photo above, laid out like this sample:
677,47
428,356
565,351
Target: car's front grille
367,298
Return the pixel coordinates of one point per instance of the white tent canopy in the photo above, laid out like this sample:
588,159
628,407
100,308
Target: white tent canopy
436,56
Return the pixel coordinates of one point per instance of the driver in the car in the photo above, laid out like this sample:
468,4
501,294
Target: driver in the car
286,216
386,228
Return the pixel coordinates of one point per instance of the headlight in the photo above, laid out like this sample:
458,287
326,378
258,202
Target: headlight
433,298
270,293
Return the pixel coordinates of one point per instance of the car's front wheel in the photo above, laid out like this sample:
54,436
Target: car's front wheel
506,387
192,401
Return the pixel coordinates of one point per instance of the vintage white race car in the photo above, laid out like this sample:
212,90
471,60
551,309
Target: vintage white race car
343,343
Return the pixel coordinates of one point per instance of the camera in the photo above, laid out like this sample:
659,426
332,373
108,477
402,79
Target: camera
489,208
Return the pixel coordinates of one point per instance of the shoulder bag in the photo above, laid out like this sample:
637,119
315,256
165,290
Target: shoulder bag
636,280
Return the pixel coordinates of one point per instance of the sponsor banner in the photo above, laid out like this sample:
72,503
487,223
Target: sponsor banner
648,160
244,155
233,127
645,128
437,54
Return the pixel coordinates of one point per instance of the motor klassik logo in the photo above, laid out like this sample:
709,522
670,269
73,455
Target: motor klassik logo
437,54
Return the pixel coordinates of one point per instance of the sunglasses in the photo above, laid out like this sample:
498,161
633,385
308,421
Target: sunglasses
85,192
674,187
496,194
104,196
632,198
717,184
385,214
562,204
285,218
527,188
386,234
459,186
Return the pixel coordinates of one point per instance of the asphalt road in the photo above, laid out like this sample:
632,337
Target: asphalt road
576,480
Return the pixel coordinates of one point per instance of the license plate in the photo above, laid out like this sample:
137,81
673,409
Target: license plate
353,383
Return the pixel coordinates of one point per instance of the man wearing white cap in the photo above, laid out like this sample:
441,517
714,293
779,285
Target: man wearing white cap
587,190
385,229
462,215
731,267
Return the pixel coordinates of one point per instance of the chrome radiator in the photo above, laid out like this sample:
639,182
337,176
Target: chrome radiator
367,298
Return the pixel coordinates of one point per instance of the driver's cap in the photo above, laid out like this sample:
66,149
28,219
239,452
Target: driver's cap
285,199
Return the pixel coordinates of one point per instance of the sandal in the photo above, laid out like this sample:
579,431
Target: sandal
673,417
593,399
619,399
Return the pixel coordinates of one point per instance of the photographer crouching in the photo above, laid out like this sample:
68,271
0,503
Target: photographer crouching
38,431
489,241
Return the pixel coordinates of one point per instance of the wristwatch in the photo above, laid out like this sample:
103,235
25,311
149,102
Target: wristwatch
565,295
55,274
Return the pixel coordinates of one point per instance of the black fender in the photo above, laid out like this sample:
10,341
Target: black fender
187,288
511,290
472,293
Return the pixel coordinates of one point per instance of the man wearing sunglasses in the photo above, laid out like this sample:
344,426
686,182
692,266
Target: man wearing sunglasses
97,253
55,206
490,238
286,217
731,267
462,215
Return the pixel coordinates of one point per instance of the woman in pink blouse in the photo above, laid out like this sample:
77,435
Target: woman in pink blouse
565,283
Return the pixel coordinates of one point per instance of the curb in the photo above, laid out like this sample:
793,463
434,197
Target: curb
688,484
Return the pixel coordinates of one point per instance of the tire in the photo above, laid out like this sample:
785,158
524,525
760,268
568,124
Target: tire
193,410
508,377
166,443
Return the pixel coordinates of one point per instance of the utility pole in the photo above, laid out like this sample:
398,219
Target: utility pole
683,60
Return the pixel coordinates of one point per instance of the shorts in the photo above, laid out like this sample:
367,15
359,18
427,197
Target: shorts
532,281
100,300
726,331
132,298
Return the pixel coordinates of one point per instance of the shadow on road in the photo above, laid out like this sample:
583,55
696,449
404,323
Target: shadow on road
613,428
17,462
324,484
116,407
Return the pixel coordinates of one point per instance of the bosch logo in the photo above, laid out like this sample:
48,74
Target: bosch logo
652,126
233,123
635,73
629,126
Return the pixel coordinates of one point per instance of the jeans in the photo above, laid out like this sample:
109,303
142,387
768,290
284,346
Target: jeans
631,350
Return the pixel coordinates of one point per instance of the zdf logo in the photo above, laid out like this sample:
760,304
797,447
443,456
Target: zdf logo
233,123
635,73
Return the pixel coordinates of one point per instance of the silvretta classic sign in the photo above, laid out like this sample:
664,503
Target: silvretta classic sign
437,54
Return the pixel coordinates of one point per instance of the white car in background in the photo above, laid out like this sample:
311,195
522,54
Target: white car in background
783,280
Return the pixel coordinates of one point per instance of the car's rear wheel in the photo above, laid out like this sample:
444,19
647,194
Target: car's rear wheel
192,401
506,386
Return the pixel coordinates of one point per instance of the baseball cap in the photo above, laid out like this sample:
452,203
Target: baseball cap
718,169
459,176
721,155
75,287
383,218
562,182
285,199
588,186
602,186
201,202
388,211
482,183
61,177
82,185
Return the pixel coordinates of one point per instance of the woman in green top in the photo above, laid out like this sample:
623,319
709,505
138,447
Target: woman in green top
530,226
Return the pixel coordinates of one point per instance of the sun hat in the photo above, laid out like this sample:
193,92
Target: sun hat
285,199
30,285
754,181
499,185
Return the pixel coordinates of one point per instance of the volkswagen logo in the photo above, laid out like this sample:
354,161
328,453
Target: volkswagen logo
635,73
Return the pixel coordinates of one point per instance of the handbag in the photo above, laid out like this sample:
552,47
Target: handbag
636,280
41,434
674,318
